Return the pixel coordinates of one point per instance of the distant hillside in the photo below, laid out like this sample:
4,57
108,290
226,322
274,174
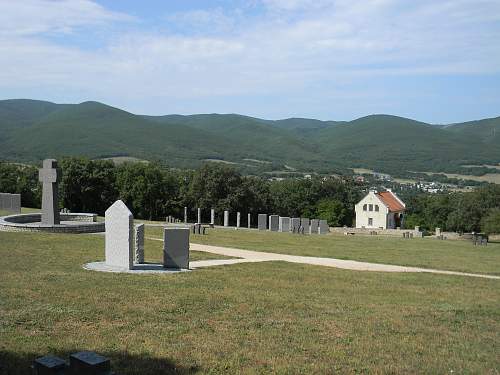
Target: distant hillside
33,130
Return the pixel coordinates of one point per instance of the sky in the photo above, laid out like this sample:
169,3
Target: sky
436,61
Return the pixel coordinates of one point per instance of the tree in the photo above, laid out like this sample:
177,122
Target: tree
331,210
490,223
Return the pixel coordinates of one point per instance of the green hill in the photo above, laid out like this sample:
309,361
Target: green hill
33,130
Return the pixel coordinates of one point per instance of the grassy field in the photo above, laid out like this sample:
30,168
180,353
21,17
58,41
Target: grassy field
270,317
427,252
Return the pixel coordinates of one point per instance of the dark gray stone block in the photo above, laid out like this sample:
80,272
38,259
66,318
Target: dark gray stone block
274,223
49,365
89,363
262,222
176,248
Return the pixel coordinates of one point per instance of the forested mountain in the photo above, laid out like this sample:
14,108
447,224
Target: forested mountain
32,130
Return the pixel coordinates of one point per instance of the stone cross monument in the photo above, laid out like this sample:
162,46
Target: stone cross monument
50,176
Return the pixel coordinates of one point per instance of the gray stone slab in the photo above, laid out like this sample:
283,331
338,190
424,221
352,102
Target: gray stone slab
284,224
199,216
262,222
274,223
295,224
50,176
176,248
238,219
323,227
10,202
226,218
313,228
139,243
212,216
49,365
89,363
185,215
305,223
249,221
119,235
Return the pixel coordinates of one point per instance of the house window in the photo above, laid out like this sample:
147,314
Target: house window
370,221
376,208
370,207
364,207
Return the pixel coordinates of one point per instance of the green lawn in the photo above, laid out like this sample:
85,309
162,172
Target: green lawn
271,317
427,252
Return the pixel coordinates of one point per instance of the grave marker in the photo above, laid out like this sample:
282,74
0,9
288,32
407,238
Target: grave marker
274,223
284,224
176,248
262,222
118,242
50,176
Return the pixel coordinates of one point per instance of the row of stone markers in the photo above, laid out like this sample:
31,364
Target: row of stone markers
124,242
275,223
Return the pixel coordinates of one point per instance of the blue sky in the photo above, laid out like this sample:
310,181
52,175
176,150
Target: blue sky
434,61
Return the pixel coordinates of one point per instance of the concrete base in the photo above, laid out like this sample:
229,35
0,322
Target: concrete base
137,269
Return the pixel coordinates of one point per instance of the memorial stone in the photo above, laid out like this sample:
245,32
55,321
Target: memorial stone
226,218
304,223
49,365
86,363
313,229
323,227
199,216
212,216
295,225
249,219
139,243
185,215
262,222
238,219
176,248
284,224
274,223
50,176
119,232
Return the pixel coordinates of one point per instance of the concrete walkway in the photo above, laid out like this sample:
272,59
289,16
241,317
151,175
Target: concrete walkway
257,256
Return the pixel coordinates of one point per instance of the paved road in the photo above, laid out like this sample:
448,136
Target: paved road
258,256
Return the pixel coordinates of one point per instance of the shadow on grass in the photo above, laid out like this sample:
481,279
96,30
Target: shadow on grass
122,363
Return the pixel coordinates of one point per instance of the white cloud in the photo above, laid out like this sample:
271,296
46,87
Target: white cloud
33,17
295,47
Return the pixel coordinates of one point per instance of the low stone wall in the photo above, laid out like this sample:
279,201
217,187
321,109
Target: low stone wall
31,223
374,231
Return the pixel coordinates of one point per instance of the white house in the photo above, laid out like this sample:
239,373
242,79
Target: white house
382,210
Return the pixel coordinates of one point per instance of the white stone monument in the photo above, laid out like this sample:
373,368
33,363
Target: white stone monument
119,236
226,218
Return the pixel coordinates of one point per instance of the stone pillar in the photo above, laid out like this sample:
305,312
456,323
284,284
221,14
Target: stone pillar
313,229
417,228
212,216
226,218
185,215
119,232
139,243
238,219
50,176
438,232
199,215
249,219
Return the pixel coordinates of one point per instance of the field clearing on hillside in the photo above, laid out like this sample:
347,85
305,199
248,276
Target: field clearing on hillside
265,318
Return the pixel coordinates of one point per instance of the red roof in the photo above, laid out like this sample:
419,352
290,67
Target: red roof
391,201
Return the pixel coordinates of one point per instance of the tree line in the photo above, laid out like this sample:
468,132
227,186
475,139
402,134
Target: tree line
153,191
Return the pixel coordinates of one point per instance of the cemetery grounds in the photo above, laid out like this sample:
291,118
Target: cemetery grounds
269,317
